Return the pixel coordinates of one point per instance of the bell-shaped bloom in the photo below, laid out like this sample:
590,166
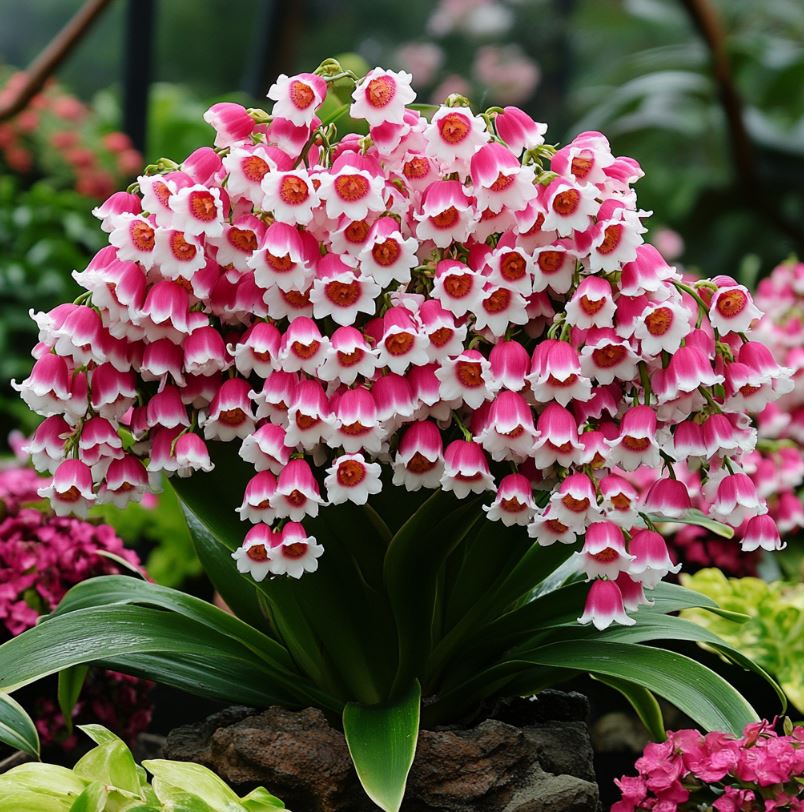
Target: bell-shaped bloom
603,554
309,416
257,349
574,504
351,191
166,313
636,444
230,413
231,123
253,557
266,449
351,479
570,206
789,512
633,592
340,292
546,529
297,494
466,469
419,458
519,131
113,392
296,98
47,389
555,374
454,135
71,490
302,347
662,326
381,95
401,344
78,337
274,400
592,304
761,533
500,307
134,237
647,273
348,355
604,606
446,214
281,260
554,267
192,455
557,438
115,205
256,504
736,500
689,442
291,196
668,497
513,503
509,432
508,363
47,445
721,437
126,480
606,357
296,553
99,444
651,561
387,256
620,501
732,310
197,209
499,181
395,399
445,335
356,426
246,166
465,377
457,287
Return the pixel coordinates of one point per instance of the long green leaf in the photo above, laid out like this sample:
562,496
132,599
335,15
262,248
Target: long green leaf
694,689
71,681
642,701
382,743
17,729
698,519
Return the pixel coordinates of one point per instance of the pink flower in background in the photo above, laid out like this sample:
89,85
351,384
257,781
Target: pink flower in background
422,59
509,74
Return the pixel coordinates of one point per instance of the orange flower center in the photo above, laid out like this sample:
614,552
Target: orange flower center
658,322
202,206
243,239
386,253
399,343
380,91
301,94
566,202
181,249
142,235
498,301
343,294
351,187
611,238
454,127
446,219
257,552
293,190
254,168
513,267
419,464
351,473
731,302
608,356
469,373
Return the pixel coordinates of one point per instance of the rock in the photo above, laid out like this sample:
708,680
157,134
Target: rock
532,756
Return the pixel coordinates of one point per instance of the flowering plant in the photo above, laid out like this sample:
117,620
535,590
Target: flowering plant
758,770
321,331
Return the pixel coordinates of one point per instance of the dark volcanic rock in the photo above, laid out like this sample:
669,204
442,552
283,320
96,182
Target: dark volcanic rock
534,756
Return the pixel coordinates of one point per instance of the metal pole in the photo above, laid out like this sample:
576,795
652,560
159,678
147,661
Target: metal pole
137,58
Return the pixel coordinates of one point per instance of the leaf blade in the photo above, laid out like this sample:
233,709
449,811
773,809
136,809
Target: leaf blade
17,729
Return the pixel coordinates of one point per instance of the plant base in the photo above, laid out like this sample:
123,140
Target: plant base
529,756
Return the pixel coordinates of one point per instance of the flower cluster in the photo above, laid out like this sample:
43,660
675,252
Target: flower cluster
57,135
429,299
41,557
760,770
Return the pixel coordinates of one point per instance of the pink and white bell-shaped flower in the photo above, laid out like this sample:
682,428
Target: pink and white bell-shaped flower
297,552
99,444
288,304
732,310
257,349
297,493
465,377
509,364
256,504
291,196
604,606
736,500
348,355
381,95
46,446
688,442
574,504
570,206
592,304
266,448
606,357
78,337
357,426
614,238
668,497
722,438
466,469
401,344
71,489
620,501
115,205
351,191
554,267
303,348
156,191
633,592
340,292
178,255
296,98
162,458
396,403
662,326
519,131
647,273
688,370
511,267
309,416
457,287
636,444
555,374
112,394
192,455
125,480
419,457
446,214
275,397
546,529
166,313
351,479
202,165
197,209
499,181
46,390
445,335
230,412
557,438
761,533
231,123
281,259
500,307
386,255
253,557
513,503
247,166
205,352
651,561
453,136
509,432
235,246
603,554
134,236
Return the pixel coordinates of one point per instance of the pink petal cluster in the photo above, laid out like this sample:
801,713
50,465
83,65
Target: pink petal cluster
761,770
41,557
429,299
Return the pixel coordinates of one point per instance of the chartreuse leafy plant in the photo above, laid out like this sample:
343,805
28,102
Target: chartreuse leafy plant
773,636
108,778
421,365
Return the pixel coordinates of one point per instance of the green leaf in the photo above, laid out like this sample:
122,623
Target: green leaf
17,728
112,764
694,689
382,743
45,779
175,777
260,799
698,519
71,680
92,799
642,701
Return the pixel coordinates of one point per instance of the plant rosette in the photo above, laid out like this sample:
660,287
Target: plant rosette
396,378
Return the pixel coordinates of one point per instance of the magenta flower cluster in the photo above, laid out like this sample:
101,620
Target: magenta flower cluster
430,299
41,557
762,771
